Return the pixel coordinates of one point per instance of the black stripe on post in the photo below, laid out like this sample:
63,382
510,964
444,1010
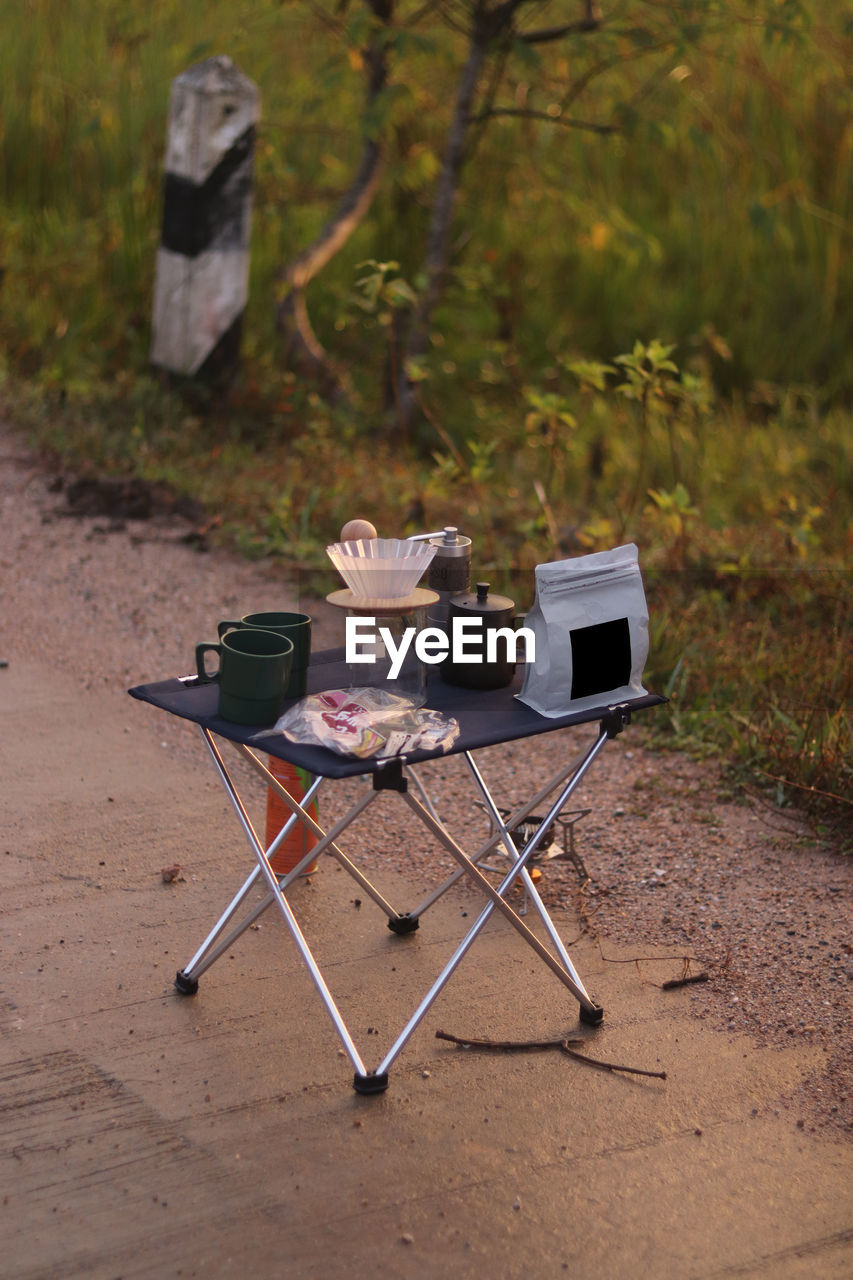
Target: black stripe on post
223,356
214,213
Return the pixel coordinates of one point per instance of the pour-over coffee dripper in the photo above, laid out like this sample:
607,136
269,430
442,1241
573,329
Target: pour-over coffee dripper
381,568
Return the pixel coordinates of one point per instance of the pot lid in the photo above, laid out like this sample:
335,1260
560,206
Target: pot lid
481,602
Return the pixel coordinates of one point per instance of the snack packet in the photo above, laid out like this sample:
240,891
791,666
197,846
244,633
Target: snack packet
367,723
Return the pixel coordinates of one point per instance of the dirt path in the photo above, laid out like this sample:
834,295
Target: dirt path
673,859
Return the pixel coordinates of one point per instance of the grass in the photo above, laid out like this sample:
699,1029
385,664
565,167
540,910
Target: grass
718,218
748,587
723,204
758,669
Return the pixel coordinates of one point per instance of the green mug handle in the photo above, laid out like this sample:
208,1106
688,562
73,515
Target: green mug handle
222,627
200,651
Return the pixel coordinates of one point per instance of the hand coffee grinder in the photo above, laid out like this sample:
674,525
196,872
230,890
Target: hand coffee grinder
449,573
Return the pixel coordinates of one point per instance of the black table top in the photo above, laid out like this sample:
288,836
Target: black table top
485,717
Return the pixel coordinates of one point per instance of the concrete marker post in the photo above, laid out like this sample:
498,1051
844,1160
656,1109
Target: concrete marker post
202,280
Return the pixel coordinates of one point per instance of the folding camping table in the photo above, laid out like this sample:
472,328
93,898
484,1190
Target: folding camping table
485,718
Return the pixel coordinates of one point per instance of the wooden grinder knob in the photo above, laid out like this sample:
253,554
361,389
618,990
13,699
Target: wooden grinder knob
355,529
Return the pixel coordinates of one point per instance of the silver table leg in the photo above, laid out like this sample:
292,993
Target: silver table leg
566,974
557,960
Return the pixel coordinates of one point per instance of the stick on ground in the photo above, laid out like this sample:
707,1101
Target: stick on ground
563,1044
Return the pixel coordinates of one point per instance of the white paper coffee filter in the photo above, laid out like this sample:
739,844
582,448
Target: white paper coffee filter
386,568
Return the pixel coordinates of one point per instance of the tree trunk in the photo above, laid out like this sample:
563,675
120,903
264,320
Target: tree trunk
301,347
490,26
441,221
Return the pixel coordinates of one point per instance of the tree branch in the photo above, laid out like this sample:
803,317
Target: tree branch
292,320
340,227
563,1044
529,113
545,35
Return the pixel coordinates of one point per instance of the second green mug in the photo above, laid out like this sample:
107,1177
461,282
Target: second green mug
296,627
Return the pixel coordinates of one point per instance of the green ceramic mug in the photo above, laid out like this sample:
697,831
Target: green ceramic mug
254,668
296,627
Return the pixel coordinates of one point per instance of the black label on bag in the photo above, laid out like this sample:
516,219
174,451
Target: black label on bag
601,657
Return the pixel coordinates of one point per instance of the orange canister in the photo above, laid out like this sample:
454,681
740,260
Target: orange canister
299,839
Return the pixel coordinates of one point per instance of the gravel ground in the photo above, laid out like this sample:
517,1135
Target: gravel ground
667,856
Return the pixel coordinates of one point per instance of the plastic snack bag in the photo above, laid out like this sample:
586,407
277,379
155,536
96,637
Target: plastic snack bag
591,627
366,723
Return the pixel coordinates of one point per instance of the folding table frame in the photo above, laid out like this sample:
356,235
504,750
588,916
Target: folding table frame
486,718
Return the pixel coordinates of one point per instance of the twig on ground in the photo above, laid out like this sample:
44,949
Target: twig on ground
507,1046
563,1044
683,982
635,959
685,978
803,786
609,1066
584,910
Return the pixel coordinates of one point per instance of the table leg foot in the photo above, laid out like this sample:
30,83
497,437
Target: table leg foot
591,1017
185,985
370,1083
403,924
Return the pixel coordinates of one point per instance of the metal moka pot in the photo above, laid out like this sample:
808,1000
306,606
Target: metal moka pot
491,665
